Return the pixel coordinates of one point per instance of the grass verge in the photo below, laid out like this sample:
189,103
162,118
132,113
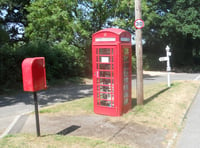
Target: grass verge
53,141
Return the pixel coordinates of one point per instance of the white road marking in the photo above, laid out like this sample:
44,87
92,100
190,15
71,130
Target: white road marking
13,124
197,78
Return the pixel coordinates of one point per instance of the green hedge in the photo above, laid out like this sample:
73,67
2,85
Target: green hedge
60,62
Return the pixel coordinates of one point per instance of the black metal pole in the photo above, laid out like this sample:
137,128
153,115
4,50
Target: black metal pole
36,114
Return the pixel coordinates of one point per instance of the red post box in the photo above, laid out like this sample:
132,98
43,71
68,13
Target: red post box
34,74
111,58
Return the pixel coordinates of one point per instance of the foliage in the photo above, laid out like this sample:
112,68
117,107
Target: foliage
176,24
13,18
3,36
60,63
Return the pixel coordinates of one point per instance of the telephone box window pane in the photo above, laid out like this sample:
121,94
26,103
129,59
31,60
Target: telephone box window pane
106,100
105,96
107,103
105,66
112,89
125,86
105,74
104,51
126,65
126,58
105,89
125,80
105,81
125,73
125,94
125,101
126,51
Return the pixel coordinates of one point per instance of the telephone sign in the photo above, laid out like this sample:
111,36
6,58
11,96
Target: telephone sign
139,24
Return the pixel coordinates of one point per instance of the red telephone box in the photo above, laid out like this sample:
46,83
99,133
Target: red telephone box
111,58
34,74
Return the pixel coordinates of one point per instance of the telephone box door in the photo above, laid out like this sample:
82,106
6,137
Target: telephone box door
104,73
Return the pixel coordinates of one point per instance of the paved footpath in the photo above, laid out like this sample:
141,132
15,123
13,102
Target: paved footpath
190,135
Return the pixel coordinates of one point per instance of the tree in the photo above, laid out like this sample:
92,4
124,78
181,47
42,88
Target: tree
181,26
68,23
175,23
13,18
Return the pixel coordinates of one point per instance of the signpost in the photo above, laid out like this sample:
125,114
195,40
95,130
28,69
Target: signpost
139,24
168,68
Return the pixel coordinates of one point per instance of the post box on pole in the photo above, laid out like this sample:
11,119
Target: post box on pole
34,79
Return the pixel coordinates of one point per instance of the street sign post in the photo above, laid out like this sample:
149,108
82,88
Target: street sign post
168,68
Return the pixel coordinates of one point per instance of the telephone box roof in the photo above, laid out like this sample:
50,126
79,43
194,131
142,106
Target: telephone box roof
112,30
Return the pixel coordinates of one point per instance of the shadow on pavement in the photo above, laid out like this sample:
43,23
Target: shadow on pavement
49,96
68,130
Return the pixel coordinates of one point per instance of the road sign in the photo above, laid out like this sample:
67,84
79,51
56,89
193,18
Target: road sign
163,59
169,53
139,24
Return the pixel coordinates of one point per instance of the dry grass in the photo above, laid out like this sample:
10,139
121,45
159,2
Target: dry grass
164,107
54,141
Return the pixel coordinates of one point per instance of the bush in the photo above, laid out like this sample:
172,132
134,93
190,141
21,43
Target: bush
61,63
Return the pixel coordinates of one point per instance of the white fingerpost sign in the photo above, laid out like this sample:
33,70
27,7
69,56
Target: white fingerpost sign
168,68
161,59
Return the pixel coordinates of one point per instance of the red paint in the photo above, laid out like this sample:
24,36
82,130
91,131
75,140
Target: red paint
34,74
111,58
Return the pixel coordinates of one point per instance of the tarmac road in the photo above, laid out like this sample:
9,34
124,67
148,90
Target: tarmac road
12,107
